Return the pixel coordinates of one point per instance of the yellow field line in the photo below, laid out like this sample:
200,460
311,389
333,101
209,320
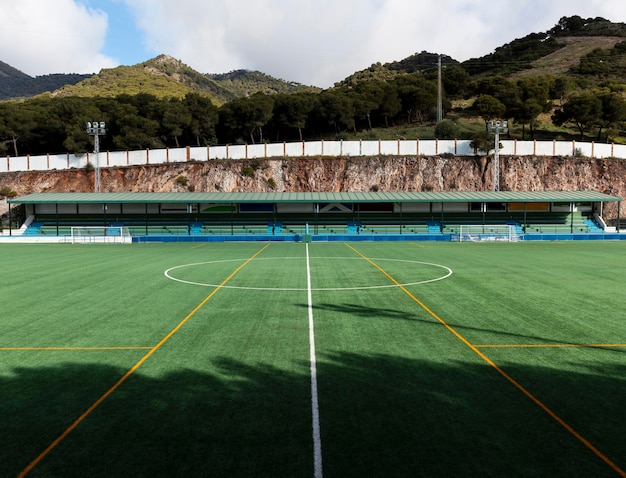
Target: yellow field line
514,382
29,349
134,368
521,346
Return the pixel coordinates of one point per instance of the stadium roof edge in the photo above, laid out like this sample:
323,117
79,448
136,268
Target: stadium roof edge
300,197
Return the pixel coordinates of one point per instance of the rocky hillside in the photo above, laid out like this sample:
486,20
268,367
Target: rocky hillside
340,174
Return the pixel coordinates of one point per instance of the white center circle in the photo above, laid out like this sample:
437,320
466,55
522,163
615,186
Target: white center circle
446,272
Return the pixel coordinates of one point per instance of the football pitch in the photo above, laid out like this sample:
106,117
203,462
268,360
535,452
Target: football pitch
313,360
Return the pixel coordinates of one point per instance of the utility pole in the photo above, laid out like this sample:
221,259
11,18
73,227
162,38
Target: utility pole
496,127
439,92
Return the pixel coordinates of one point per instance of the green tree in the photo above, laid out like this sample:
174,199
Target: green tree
489,107
247,116
291,111
335,108
390,104
130,130
613,112
455,80
584,110
204,118
418,96
176,119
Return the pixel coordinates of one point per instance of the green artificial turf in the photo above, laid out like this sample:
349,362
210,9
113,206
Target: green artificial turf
432,359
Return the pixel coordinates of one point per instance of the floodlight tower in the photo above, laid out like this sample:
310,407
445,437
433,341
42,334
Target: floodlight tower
496,127
95,129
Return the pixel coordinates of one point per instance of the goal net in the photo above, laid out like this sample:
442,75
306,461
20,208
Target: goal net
109,234
491,233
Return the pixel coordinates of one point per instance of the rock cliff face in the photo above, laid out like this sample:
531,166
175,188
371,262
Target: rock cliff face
341,174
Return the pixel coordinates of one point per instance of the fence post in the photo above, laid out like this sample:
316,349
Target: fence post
188,153
147,156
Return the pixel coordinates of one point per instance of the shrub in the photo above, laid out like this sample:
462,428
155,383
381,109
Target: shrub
447,129
182,180
7,192
248,171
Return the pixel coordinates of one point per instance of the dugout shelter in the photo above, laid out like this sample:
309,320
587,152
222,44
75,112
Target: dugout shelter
323,215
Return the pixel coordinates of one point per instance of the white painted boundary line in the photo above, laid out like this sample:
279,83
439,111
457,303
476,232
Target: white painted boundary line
315,410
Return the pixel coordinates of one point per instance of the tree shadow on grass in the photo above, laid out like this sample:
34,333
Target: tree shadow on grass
381,416
356,310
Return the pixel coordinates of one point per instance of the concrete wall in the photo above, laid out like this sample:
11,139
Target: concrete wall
306,149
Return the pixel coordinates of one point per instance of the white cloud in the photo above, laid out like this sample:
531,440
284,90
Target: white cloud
310,41
301,40
60,36
323,41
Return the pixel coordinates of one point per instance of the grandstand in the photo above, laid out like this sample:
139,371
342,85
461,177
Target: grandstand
313,216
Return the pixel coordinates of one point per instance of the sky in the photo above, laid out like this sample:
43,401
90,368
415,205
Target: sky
313,42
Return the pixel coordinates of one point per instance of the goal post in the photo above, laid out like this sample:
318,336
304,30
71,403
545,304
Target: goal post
487,233
103,234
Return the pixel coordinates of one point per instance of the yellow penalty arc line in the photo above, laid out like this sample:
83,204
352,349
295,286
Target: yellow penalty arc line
514,382
106,394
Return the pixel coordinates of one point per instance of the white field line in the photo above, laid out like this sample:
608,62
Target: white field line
317,441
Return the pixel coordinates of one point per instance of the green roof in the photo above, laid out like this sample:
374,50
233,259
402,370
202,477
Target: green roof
315,197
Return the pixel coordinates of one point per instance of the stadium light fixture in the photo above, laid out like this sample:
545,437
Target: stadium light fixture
96,129
496,127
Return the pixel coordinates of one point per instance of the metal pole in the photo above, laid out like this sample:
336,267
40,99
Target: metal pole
496,127
496,162
96,145
96,129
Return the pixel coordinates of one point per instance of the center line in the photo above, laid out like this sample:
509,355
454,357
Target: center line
317,441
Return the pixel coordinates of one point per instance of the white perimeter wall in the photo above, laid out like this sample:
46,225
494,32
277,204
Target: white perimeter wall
312,148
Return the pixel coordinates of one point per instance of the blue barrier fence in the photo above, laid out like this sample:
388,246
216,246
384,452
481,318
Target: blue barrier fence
363,238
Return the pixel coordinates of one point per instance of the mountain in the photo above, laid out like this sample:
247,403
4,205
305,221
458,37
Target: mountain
574,46
165,76
592,49
16,84
162,76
